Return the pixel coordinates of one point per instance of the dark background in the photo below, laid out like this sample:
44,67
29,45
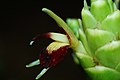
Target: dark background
20,22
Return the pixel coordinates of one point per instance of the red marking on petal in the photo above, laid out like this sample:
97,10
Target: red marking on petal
50,60
45,35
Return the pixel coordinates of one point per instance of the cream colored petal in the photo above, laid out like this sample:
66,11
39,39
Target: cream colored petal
55,46
59,37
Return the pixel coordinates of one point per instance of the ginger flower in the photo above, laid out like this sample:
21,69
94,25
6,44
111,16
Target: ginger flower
56,50
94,39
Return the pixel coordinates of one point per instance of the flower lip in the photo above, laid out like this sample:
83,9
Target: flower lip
50,58
55,52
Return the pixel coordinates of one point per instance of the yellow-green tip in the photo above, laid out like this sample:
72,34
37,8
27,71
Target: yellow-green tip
44,9
73,40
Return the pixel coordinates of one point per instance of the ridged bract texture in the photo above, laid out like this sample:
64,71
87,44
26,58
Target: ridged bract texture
99,34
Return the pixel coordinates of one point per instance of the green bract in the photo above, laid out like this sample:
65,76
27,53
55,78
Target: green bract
101,23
